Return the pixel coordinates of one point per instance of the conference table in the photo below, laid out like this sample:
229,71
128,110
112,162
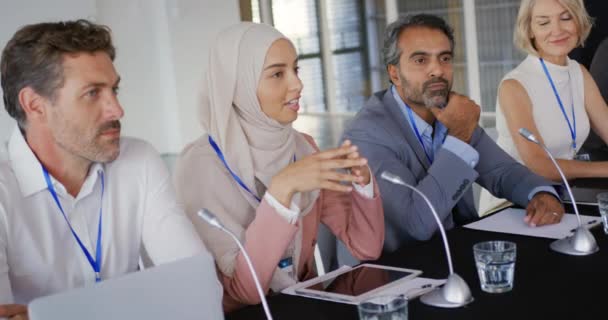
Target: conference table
547,285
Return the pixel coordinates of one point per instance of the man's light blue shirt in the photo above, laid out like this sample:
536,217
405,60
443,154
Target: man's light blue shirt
458,147
463,150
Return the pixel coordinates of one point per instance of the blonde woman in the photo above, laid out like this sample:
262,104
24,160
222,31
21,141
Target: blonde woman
265,181
549,94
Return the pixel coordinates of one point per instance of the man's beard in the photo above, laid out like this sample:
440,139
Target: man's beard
437,97
427,97
108,152
88,144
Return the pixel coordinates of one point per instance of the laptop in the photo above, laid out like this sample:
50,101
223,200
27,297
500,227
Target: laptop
585,191
185,289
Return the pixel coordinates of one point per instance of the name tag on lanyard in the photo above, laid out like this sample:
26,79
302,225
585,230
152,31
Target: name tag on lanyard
286,265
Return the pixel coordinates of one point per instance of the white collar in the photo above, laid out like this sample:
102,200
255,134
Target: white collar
28,170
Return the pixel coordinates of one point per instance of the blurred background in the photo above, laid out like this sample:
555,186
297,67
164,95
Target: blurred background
162,51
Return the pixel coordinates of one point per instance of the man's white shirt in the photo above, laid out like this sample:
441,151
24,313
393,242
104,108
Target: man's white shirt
38,253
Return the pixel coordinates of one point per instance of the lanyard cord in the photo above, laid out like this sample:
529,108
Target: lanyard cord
571,126
95,263
236,178
429,155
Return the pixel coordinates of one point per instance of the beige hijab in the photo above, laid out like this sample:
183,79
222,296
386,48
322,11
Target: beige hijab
255,146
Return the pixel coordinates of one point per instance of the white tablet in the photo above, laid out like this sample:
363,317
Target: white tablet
352,285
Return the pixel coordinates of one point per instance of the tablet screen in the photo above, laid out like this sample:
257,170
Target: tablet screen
359,280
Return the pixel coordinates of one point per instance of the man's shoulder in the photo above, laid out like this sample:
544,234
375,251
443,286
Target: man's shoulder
9,186
131,148
137,165
373,120
6,171
134,154
374,106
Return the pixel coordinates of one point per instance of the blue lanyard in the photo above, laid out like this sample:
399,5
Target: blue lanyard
234,175
571,126
283,263
95,264
429,155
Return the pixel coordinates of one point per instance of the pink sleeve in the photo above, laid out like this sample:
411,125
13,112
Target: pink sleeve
266,239
356,220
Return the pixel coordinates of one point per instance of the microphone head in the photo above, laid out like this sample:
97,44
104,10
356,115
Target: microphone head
210,218
393,178
528,135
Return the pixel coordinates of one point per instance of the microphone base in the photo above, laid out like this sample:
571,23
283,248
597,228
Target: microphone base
436,298
455,293
581,243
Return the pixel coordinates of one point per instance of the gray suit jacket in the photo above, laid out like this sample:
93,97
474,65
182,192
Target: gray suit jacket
385,138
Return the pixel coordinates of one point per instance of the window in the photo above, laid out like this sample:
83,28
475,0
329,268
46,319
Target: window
345,27
340,46
330,42
255,11
497,54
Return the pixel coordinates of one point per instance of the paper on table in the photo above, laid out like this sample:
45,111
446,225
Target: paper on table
411,289
512,221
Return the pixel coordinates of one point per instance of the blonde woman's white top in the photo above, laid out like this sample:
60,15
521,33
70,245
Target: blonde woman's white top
548,117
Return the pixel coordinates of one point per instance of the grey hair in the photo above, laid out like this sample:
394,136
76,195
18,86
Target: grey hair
33,57
391,50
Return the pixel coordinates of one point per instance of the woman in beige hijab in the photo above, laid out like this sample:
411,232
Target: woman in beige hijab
266,182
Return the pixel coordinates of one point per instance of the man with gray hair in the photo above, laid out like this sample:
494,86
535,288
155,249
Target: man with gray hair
78,202
428,135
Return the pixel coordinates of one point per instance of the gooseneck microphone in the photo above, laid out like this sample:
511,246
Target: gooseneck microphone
211,219
455,292
582,242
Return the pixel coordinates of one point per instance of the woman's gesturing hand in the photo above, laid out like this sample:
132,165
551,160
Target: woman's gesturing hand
323,170
363,170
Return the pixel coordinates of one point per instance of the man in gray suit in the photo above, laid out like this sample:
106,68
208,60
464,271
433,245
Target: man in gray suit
429,136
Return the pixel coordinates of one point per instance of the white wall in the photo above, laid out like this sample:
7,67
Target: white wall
161,55
136,29
190,51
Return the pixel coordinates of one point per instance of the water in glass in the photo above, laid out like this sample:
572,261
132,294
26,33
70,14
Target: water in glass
384,308
495,261
602,203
